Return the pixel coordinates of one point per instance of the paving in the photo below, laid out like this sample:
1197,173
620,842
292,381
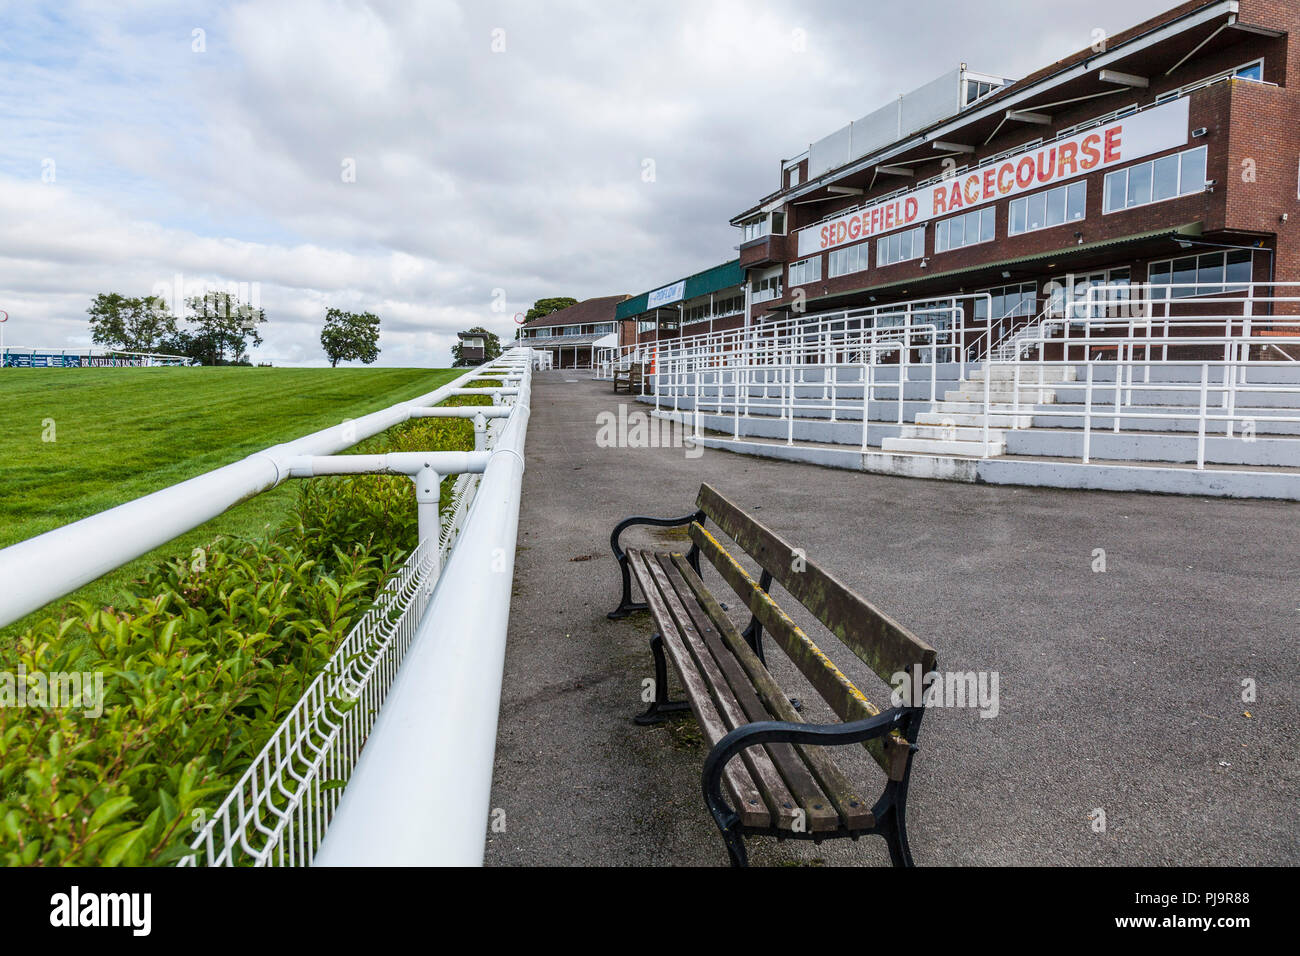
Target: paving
1119,690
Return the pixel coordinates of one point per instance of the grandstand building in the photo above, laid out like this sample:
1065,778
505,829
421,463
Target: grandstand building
1168,154
573,335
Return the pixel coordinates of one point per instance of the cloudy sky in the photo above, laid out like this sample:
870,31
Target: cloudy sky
499,152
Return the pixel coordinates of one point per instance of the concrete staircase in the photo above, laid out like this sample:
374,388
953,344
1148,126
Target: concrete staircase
957,425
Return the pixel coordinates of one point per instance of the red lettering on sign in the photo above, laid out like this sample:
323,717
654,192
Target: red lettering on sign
826,236
939,200
955,201
1069,158
855,227
1113,144
989,188
912,207
1091,151
1025,172
973,181
1006,178
1045,172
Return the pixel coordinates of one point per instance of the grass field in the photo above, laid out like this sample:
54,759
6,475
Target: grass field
122,433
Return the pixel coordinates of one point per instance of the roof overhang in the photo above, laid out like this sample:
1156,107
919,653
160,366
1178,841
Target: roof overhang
1216,19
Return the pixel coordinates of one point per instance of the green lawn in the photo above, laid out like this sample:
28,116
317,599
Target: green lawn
122,433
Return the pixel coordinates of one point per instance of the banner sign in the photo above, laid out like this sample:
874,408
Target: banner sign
1121,141
667,295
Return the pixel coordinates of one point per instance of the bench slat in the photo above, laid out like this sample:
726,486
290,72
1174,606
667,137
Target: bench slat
749,803
836,689
779,799
881,642
819,811
821,775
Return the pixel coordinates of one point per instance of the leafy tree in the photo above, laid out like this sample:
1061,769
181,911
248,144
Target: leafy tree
222,326
491,346
131,324
350,336
546,306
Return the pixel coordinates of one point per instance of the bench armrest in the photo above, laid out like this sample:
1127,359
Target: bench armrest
626,523
626,605
789,732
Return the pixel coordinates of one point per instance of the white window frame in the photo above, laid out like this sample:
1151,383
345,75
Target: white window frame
858,259
805,271
918,239
1217,288
1127,172
1024,201
979,214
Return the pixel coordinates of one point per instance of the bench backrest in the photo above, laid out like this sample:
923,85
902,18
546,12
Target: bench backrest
882,643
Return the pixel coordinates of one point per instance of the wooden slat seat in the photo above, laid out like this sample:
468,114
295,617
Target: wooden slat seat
785,781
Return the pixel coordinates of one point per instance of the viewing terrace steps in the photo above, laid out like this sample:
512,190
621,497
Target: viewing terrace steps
945,439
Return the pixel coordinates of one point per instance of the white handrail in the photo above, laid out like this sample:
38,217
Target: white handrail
420,792
49,566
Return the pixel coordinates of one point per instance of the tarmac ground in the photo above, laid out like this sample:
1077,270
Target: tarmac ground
1125,631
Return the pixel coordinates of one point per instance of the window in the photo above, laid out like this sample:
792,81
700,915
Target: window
729,306
793,177
645,326
1208,274
1055,207
849,259
1253,71
768,287
1168,177
1073,290
900,247
967,230
1010,300
805,271
696,313
755,230
978,89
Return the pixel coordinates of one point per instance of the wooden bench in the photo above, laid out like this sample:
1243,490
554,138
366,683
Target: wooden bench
630,377
785,784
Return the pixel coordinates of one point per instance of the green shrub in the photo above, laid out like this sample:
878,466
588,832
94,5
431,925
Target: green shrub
200,664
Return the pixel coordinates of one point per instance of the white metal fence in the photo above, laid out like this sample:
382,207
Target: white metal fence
1231,355
281,809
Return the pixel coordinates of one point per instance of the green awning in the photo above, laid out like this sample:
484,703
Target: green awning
728,275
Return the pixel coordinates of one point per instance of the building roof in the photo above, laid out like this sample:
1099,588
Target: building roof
725,276
564,341
587,312
1195,25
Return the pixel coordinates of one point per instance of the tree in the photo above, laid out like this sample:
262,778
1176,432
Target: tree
546,306
131,324
350,336
491,347
222,324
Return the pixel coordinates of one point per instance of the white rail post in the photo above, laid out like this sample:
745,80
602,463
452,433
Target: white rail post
988,404
1087,417
1200,431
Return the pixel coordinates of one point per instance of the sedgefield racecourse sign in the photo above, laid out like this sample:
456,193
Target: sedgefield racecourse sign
1124,140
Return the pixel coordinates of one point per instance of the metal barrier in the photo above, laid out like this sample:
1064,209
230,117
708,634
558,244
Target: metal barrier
282,807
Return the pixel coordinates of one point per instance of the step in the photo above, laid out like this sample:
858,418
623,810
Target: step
931,446
1027,396
1029,373
951,432
974,419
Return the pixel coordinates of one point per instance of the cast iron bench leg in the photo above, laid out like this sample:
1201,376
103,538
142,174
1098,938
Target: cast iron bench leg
661,705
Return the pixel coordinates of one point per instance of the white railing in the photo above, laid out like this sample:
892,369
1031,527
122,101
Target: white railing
831,368
280,810
1210,348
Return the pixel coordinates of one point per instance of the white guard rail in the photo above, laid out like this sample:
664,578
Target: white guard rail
419,794
49,566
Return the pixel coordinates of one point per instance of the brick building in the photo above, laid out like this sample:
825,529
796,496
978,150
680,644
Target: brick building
573,335
1167,154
